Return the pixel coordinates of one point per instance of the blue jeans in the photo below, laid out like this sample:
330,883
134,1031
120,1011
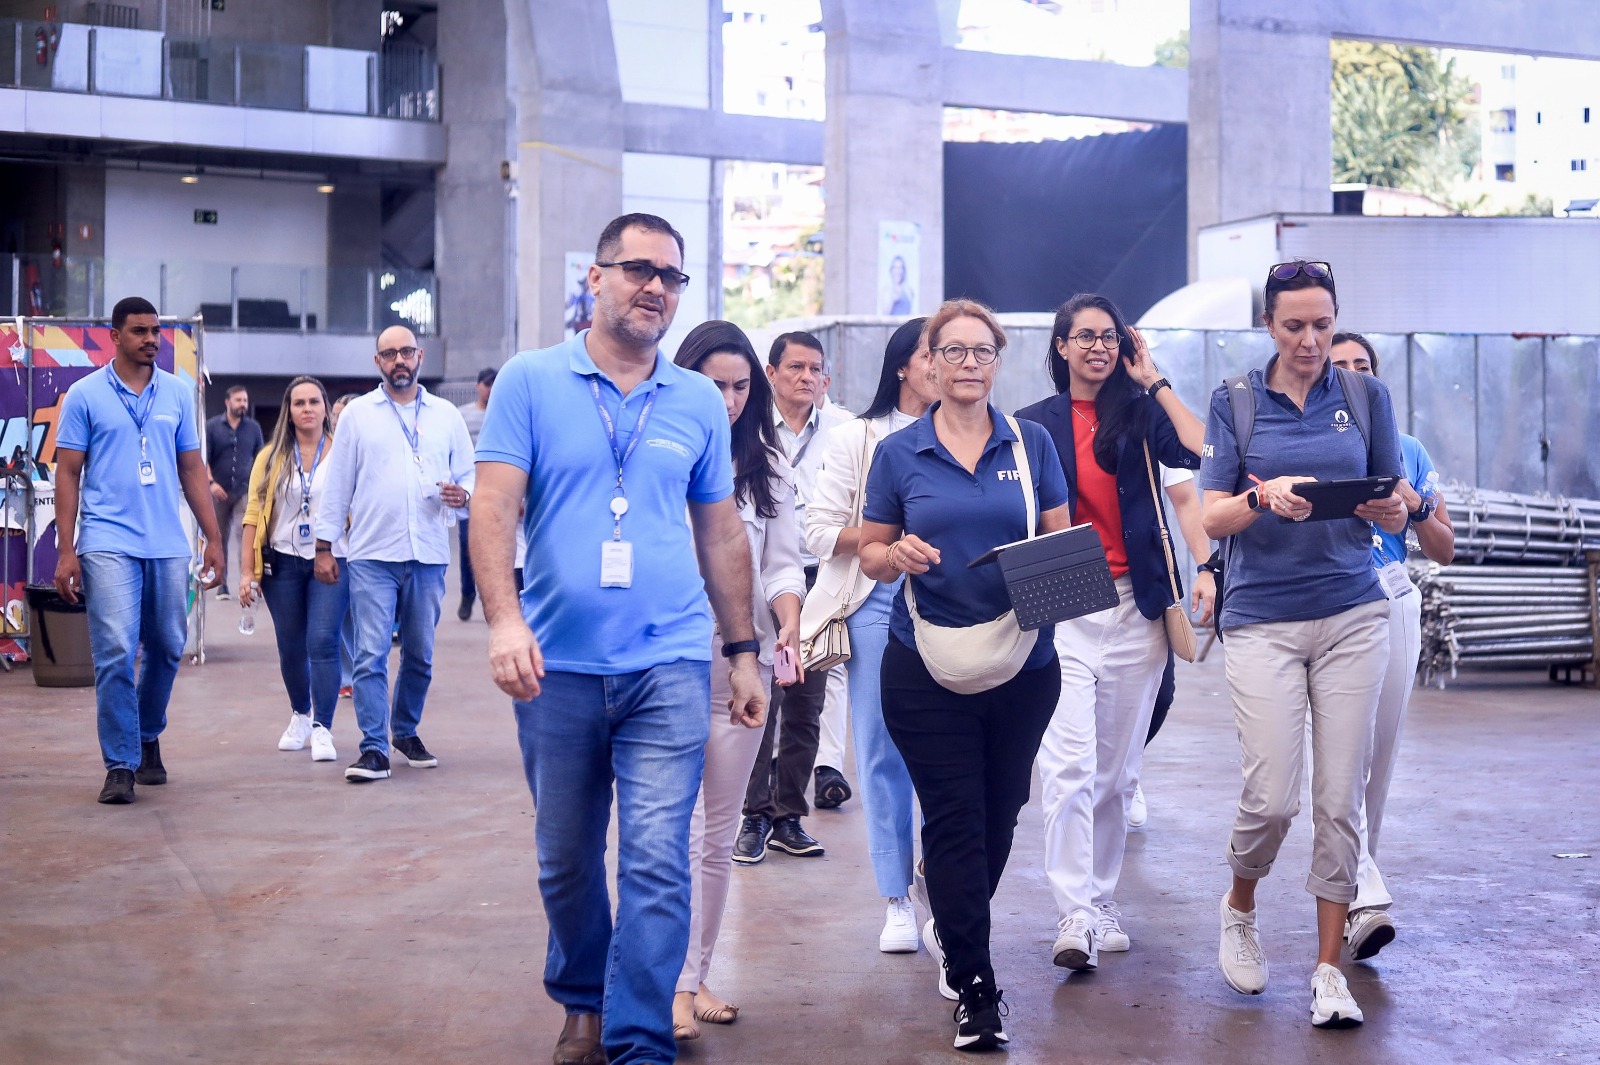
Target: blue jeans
646,732
886,791
347,641
134,604
307,616
380,593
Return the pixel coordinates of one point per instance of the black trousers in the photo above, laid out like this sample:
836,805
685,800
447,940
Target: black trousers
971,763
794,719
1163,700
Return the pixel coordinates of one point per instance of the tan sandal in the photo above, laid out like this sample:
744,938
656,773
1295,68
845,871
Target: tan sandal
682,1033
724,1014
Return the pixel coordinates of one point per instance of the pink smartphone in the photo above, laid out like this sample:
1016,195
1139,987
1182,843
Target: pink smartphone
784,667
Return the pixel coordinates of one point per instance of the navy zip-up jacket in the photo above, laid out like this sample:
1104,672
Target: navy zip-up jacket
1147,562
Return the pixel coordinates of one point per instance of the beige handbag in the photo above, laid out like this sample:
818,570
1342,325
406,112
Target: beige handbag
1180,631
829,645
969,659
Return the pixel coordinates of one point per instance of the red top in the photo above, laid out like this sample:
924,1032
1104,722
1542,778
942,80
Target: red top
1096,501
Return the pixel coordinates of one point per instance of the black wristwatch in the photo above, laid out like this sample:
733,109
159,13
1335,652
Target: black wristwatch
1156,386
741,647
1212,565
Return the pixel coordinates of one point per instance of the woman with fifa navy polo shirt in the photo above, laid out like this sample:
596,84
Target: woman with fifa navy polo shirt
1304,617
1114,420
941,492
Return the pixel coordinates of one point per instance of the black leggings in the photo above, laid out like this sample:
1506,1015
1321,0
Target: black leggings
1163,701
971,761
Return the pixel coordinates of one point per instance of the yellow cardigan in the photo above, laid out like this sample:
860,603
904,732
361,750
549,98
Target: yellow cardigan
261,497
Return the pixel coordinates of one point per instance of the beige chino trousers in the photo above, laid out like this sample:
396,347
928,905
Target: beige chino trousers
1336,665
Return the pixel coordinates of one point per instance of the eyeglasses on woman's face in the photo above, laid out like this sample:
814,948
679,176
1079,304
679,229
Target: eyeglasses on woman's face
956,354
1087,340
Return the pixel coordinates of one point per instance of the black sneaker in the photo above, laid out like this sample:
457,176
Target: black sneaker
416,755
464,611
370,766
150,770
832,790
119,787
978,1017
790,838
751,846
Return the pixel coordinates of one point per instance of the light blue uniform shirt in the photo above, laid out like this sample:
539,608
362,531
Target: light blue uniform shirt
542,419
1391,547
120,515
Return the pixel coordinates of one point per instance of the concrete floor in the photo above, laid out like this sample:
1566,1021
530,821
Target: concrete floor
260,909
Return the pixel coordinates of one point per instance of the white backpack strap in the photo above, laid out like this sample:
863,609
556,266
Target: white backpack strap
1030,498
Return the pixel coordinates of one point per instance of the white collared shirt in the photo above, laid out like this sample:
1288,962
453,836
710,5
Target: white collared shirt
804,451
394,512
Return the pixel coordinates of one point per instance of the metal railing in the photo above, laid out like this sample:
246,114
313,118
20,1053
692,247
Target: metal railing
249,296
401,81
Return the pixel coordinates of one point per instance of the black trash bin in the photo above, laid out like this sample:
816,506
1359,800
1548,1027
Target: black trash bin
60,648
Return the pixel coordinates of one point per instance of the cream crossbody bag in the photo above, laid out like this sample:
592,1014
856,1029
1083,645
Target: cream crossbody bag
829,644
975,658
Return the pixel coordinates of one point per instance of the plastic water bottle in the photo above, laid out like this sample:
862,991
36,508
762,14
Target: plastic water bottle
247,614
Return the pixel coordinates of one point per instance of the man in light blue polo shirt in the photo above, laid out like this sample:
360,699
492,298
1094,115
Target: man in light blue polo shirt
126,445
608,443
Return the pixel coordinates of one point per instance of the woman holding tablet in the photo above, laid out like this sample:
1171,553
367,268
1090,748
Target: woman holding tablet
1114,421
966,693
1304,617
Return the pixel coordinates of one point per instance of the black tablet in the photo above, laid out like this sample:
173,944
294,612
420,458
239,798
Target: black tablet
1339,499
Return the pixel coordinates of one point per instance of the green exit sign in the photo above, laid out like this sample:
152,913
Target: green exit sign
205,218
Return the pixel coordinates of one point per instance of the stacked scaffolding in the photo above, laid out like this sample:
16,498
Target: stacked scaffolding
1520,594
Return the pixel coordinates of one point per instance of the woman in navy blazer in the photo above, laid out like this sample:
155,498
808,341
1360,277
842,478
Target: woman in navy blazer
1111,402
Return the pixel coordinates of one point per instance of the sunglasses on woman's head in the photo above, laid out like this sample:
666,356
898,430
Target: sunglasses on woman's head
1287,271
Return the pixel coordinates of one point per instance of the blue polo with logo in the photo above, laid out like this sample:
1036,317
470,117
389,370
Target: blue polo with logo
542,419
119,514
1283,570
917,484
1391,547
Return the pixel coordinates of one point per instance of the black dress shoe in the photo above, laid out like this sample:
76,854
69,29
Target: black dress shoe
464,611
150,770
790,838
751,846
580,1041
832,790
119,788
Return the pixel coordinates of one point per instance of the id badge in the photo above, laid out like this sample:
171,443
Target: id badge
616,564
147,472
1396,582
302,533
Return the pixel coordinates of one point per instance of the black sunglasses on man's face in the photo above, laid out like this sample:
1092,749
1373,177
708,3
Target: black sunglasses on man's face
640,272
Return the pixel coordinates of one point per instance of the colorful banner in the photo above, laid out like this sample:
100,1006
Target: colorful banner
31,390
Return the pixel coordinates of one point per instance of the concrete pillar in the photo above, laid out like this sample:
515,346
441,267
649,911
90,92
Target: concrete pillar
884,152
474,234
355,221
1260,116
569,136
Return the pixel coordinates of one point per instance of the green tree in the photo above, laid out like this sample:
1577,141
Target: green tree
1401,119
1174,52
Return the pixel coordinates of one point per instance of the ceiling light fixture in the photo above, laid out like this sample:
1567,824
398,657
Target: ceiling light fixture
325,188
190,179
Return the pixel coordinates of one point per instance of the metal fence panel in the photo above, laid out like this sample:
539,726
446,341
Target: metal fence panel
1181,355
1572,415
1394,363
1510,415
1444,396
1230,353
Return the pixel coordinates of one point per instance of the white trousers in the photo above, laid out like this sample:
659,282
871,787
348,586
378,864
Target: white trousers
1405,647
835,719
730,755
1111,666
1336,665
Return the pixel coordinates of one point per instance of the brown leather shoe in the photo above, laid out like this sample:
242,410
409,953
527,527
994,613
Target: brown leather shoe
580,1041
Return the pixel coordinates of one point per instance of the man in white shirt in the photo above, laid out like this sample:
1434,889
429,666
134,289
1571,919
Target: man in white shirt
400,475
775,800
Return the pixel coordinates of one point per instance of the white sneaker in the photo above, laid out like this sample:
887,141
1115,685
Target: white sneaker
1075,945
294,737
1331,1004
930,939
1108,931
1243,964
899,935
322,745
1368,931
1138,812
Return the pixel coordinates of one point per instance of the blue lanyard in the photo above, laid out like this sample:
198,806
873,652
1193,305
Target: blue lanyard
413,435
307,478
122,392
619,455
